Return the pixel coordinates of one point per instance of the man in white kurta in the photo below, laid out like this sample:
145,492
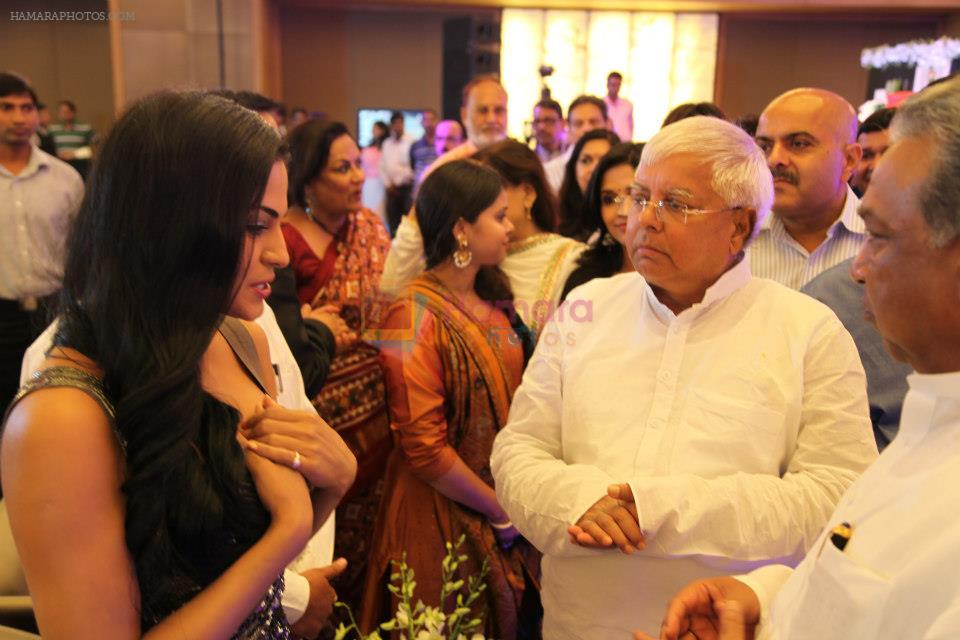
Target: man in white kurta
734,407
885,566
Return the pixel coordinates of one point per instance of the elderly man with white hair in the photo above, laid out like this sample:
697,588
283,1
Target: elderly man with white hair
885,566
698,421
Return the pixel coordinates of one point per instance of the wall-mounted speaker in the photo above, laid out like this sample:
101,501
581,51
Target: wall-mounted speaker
471,47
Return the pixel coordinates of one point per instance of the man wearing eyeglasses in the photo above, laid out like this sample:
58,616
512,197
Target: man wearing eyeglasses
548,129
447,137
884,567
699,420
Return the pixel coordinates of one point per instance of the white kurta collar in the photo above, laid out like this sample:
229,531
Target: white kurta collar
942,385
731,281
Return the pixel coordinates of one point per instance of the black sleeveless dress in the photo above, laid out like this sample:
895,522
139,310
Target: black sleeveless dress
267,620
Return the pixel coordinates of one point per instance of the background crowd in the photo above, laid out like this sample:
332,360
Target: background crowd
620,369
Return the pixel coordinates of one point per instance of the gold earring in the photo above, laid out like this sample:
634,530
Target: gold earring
462,257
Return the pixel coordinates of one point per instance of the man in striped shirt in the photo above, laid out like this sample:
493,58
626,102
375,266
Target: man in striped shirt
72,139
809,138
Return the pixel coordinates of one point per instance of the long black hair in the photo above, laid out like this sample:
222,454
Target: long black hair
604,256
571,197
150,271
518,164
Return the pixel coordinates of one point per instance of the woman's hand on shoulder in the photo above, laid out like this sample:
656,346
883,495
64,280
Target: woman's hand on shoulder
301,440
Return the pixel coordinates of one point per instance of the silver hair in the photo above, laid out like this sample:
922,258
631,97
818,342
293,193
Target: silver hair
738,167
934,114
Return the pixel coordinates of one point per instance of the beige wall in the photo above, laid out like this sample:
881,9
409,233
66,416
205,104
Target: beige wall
168,43
338,60
62,60
174,43
952,27
759,58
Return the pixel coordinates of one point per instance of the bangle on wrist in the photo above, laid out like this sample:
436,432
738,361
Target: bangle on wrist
501,525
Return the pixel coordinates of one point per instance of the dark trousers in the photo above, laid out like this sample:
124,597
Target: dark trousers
398,204
18,330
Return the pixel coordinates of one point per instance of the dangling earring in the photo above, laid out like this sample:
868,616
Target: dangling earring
462,257
527,212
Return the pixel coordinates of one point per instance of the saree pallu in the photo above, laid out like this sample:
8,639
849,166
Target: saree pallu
352,399
415,519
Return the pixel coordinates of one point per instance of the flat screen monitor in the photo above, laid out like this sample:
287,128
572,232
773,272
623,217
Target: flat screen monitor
412,125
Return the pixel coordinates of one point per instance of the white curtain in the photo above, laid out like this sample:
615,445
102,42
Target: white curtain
665,58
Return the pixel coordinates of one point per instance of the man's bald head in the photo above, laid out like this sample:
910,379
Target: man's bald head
832,109
809,138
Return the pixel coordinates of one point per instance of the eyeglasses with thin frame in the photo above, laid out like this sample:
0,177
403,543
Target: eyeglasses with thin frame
669,208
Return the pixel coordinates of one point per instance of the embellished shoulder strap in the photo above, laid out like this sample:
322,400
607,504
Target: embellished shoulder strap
242,344
65,377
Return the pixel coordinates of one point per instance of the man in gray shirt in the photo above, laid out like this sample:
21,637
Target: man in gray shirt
39,196
886,377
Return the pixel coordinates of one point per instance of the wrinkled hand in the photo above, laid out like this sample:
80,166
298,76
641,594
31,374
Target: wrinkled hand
328,314
279,434
322,597
282,490
611,521
714,609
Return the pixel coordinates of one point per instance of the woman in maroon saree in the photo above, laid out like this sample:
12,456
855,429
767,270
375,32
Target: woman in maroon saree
337,249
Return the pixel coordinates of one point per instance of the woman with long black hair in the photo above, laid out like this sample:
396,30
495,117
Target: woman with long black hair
605,217
592,146
154,489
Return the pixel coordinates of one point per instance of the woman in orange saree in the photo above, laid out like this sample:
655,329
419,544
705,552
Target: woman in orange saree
453,359
337,249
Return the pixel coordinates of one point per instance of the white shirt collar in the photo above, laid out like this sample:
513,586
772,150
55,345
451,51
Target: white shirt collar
38,159
848,217
731,281
942,385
